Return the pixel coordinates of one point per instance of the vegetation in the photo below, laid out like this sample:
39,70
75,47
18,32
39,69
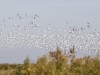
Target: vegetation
55,63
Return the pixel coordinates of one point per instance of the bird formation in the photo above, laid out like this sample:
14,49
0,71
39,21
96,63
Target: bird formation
49,38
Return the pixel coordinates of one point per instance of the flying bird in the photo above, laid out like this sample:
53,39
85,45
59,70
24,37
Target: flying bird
20,18
27,15
88,23
18,15
33,17
36,15
10,18
67,22
88,26
82,28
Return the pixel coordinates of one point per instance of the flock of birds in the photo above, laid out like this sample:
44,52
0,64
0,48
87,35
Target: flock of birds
49,38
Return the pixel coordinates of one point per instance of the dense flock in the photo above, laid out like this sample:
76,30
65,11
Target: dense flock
49,37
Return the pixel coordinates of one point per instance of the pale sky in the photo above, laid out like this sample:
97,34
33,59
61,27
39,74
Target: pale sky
54,12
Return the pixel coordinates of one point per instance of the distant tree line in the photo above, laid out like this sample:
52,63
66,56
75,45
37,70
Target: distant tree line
55,63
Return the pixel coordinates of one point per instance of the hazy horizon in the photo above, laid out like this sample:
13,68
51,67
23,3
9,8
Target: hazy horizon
55,12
